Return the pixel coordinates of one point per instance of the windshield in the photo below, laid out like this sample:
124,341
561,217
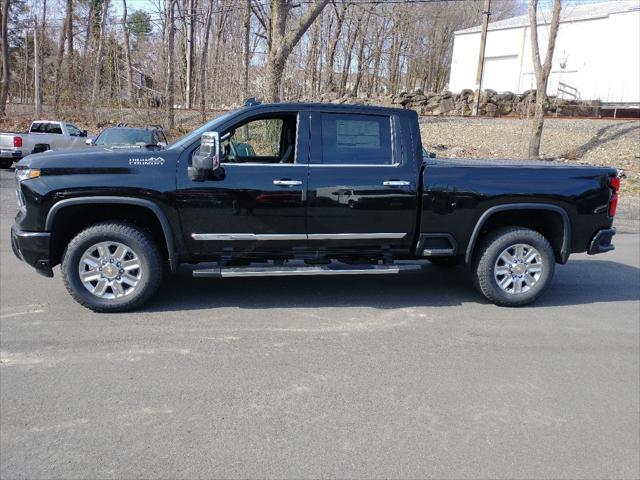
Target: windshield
210,126
124,136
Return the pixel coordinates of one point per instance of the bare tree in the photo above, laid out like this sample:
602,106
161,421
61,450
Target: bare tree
127,52
282,40
542,71
98,63
170,87
203,61
69,22
246,51
37,77
6,72
57,88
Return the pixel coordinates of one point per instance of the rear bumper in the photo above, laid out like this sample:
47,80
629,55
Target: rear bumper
9,153
32,248
601,241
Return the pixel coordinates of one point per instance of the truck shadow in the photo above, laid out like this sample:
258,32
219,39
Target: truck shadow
577,283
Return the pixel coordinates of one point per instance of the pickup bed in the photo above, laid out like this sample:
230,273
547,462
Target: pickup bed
304,189
43,135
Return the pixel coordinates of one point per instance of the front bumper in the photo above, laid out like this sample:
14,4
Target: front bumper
601,241
33,248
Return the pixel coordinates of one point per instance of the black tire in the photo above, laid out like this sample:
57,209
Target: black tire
138,240
486,261
6,163
446,262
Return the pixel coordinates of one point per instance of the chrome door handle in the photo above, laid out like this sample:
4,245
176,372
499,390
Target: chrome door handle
396,183
287,183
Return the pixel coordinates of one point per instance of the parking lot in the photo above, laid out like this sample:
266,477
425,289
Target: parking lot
407,376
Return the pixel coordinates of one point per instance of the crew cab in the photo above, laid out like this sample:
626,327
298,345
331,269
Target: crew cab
304,189
42,135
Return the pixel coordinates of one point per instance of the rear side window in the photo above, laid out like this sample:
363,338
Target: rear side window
38,127
356,139
54,128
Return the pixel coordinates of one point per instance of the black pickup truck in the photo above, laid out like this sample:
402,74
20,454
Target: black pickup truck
303,189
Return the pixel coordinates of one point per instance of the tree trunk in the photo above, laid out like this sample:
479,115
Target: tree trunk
283,41
6,72
170,93
361,65
127,53
542,72
246,53
89,29
37,80
189,54
58,68
331,53
203,62
98,64
69,22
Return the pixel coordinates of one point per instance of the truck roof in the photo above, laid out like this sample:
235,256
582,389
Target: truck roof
326,106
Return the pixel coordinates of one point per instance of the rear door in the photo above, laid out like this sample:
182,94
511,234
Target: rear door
362,183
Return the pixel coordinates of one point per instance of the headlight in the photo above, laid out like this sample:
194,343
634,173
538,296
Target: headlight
23,174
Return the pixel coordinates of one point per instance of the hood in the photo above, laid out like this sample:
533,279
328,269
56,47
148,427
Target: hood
97,158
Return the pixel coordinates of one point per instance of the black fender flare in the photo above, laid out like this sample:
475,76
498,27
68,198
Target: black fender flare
565,249
148,204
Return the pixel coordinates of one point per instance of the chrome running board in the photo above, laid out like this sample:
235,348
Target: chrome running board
297,269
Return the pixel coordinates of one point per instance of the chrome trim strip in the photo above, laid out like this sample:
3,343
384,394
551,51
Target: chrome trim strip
294,236
343,165
354,236
248,236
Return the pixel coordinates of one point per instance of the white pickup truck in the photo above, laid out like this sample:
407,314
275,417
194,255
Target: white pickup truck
43,135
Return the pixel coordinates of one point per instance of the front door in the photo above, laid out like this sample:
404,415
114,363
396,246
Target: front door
256,202
362,186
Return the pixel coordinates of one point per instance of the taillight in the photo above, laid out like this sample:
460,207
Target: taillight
614,185
17,142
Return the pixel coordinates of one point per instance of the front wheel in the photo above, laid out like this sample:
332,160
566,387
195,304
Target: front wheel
112,267
6,163
514,266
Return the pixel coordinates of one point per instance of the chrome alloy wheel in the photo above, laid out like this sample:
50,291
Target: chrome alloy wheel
518,268
110,270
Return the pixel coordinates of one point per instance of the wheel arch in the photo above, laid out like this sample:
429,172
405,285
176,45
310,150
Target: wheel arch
152,208
560,241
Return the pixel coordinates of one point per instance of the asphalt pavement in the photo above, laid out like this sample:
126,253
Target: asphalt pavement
408,376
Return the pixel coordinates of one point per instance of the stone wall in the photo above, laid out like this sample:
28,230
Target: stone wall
492,104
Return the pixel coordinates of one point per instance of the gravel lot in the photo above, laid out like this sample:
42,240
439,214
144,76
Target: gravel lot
410,376
598,142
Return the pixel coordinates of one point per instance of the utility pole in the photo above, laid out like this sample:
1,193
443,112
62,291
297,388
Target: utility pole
486,12
36,68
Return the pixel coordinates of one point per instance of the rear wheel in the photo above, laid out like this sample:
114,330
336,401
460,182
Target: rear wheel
112,267
6,163
514,266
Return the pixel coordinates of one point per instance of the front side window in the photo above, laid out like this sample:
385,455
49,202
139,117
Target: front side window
265,140
356,139
73,130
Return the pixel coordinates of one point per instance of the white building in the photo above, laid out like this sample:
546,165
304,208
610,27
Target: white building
597,52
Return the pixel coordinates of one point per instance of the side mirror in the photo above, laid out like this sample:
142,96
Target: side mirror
89,141
162,145
83,133
208,158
